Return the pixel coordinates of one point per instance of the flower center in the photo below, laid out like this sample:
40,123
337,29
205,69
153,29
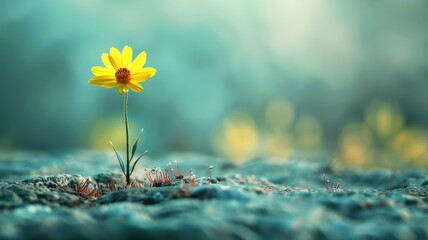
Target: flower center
123,75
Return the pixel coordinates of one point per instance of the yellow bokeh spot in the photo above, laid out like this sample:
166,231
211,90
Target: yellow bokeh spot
355,143
384,119
278,147
237,138
279,114
105,131
410,144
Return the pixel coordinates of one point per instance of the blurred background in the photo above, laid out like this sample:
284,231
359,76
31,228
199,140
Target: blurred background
236,79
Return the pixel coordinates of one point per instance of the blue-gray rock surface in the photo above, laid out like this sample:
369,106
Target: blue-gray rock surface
256,200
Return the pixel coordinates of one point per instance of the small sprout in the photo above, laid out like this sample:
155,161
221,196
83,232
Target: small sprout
193,180
112,187
188,178
134,184
154,177
166,179
158,178
211,172
331,185
86,189
178,174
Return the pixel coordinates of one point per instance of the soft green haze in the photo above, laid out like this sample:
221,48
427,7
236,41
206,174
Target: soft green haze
329,60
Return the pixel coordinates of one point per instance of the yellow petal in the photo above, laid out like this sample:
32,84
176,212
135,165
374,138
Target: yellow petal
102,71
134,86
110,85
140,77
126,56
116,56
119,89
122,89
139,61
143,74
107,62
101,80
125,88
113,62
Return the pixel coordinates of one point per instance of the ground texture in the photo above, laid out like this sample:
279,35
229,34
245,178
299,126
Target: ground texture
41,197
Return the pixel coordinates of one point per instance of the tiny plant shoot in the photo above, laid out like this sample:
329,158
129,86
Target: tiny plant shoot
120,71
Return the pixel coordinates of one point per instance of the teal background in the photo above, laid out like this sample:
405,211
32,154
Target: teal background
329,59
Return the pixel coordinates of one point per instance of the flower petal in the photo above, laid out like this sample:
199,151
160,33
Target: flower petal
102,71
134,86
145,71
140,77
114,52
122,88
126,56
101,80
110,84
119,89
139,61
113,62
143,74
107,62
125,88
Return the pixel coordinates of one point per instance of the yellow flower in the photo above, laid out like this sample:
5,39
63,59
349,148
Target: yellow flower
121,71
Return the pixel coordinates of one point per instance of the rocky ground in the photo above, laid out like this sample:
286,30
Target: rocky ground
81,195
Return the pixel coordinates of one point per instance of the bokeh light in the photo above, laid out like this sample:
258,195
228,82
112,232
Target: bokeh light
276,80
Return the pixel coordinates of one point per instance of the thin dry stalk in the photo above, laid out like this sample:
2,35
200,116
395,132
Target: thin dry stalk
86,189
331,185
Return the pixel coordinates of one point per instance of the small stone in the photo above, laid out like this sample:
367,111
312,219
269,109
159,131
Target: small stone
213,180
158,196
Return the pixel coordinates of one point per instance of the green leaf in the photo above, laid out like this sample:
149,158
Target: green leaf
135,163
135,145
119,158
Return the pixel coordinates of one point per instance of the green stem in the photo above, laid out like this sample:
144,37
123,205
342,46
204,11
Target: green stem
127,140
